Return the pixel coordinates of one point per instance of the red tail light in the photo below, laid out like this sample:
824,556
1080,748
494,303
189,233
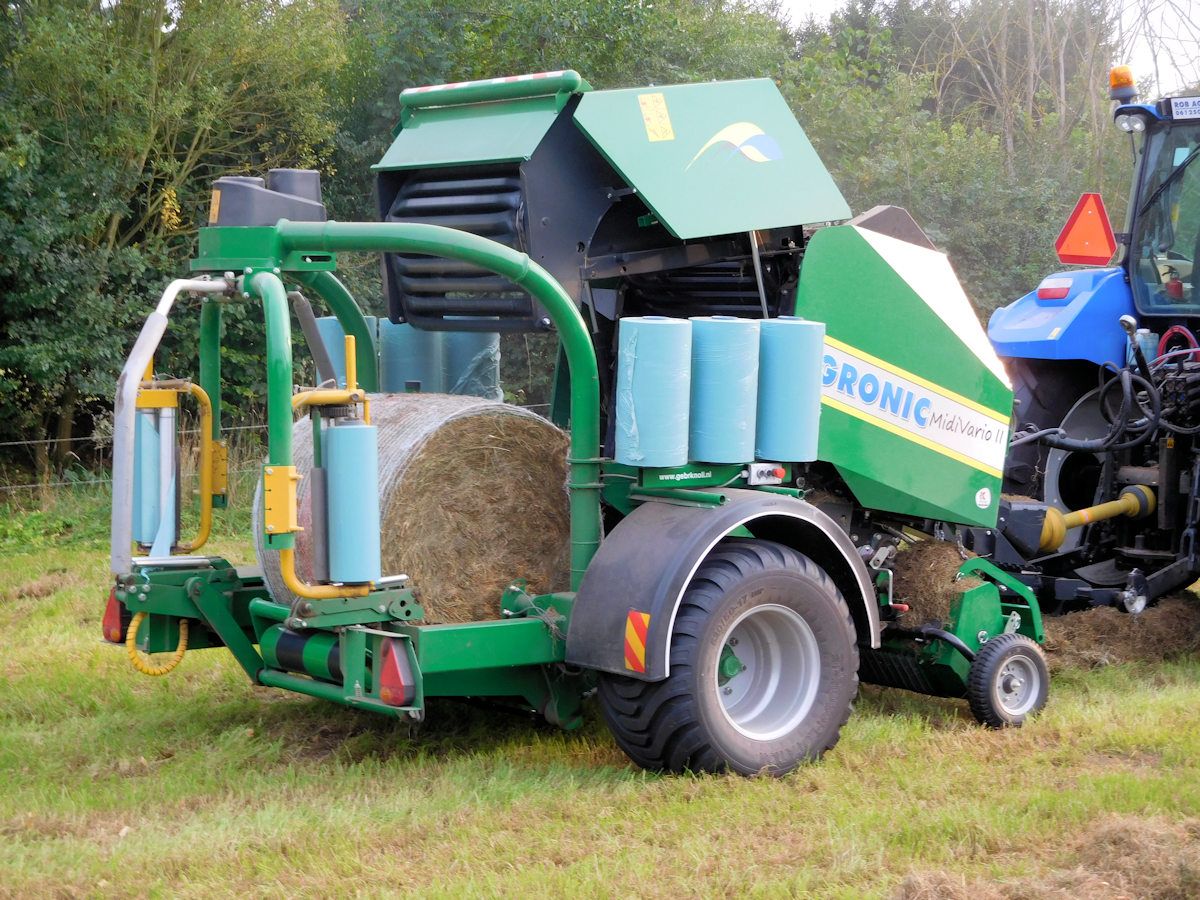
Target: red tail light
116,619
1054,288
397,686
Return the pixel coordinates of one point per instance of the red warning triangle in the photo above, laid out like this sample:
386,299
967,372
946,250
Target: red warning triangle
1087,238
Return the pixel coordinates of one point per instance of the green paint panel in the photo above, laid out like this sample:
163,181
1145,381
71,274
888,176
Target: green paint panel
691,475
886,452
476,133
485,645
714,158
864,302
913,481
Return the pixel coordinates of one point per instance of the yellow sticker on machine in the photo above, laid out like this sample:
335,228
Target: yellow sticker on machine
214,209
655,117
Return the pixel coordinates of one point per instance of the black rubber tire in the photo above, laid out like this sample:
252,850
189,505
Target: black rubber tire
679,724
983,680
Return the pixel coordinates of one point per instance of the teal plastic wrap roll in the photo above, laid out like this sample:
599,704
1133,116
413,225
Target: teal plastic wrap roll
654,364
410,360
146,492
335,342
473,364
789,389
351,461
724,401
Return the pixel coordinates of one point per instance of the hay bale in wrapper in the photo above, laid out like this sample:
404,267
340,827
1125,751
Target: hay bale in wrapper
472,495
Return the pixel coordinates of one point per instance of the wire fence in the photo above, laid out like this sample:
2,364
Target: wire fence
103,441
106,440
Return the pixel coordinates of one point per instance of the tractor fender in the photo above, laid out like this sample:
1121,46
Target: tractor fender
645,563
1082,324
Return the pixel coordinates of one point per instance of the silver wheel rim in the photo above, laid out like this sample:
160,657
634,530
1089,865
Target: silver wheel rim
777,686
1017,685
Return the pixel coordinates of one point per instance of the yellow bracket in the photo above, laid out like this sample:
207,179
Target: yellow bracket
280,514
157,398
220,468
326,397
351,396
287,567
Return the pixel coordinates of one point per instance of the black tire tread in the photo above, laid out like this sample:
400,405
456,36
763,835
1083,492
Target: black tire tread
653,722
979,678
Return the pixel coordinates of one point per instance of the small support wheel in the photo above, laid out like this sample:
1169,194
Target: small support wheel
1008,681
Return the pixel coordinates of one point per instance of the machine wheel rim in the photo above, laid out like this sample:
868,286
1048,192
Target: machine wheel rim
778,685
1017,686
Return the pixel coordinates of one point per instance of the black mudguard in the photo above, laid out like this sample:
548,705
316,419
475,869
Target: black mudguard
647,560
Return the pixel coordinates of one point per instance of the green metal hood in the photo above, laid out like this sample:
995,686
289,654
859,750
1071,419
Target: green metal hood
915,403
473,122
470,134
714,158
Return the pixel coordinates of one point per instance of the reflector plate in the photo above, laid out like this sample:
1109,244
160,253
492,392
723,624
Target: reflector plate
1087,238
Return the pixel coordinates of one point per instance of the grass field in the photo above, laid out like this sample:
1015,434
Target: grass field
199,784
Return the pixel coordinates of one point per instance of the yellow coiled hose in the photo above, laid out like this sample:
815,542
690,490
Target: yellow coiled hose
143,664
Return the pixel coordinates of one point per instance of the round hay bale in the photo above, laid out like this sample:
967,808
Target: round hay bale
472,495
923,576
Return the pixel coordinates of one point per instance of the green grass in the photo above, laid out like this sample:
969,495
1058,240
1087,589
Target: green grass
200,784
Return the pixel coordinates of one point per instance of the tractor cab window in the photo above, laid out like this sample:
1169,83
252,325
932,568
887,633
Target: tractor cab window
1166,236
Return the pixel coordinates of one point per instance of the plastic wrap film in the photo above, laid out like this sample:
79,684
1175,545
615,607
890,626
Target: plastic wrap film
335,342
168,483
146,492
410,360
654,365
724,392
789,389
472,360
350,457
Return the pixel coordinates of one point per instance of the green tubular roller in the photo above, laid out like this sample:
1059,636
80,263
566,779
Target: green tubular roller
315,653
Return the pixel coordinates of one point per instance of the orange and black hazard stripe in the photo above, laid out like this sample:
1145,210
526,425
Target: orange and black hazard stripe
636,626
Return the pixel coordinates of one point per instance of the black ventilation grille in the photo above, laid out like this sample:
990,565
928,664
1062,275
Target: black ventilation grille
425,290
724,288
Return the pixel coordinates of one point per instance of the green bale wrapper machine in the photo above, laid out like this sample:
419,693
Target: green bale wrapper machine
735,508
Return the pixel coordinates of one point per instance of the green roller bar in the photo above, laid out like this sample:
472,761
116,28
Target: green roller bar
317,653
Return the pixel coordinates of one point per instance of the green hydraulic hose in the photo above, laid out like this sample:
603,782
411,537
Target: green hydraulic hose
350,316
279,366
434,240
279,379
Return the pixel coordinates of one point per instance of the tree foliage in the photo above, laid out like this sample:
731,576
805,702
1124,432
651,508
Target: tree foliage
115,119
985,118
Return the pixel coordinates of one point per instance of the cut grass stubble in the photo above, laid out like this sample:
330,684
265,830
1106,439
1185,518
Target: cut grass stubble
202,784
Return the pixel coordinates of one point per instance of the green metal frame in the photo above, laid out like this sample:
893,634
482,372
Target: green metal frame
517,658
981,613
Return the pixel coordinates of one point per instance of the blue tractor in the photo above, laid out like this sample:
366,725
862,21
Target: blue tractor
1106,378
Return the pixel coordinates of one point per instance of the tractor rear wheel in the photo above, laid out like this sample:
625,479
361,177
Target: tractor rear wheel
764,669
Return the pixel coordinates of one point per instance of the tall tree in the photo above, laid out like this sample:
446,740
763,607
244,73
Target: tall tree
116,117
